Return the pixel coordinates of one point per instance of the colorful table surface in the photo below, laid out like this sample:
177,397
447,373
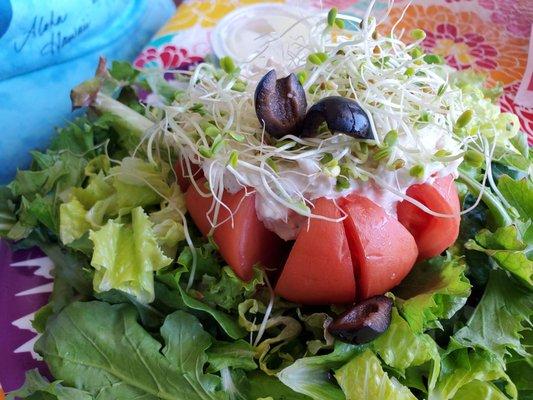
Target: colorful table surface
492,36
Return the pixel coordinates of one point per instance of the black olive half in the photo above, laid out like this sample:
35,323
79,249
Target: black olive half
341,115
364,322
280,104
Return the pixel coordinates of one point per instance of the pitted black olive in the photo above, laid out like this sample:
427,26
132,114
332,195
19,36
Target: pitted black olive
341,115
280,104
364,322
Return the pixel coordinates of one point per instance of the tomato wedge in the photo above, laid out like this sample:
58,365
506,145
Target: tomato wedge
182,175
383,251
433,234
319,269
243,240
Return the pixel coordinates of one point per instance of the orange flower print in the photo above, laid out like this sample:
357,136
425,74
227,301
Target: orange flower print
465,40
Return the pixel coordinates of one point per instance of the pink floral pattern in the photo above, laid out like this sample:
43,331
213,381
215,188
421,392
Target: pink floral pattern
462,51
167,57
513,15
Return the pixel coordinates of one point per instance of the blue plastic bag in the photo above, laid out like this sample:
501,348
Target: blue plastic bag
46,48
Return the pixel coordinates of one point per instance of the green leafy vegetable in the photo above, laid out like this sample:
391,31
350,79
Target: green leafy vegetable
462,367
260,386
36,387
520,370
506,248
7,211
310,375
101,349
286,328
400,348
364,378
519,193
123,71
476,390
73,223
434,289
126,256
207,264
497,322
238,354
229,291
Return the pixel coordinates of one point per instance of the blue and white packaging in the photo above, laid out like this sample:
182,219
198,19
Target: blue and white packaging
48,47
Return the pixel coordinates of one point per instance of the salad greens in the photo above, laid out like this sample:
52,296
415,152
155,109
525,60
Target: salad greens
144,307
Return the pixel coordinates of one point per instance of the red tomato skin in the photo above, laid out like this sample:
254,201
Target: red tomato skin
243,241
319,269
383,251
182,175
433,234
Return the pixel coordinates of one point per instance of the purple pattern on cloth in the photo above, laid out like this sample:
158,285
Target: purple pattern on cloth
14,305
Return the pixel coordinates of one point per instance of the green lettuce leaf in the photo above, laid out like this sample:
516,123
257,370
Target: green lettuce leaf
134,183
506,248
519,193
58,171
78,137
316,323
279,330
139,183
238,354
364,378
206,263
462,367
310,375
123,71
71,272
226,321
256,385
504,311
468,78
434,289
400,348
229,291
88,208
520,369
97,189
43,209
37,387
7,211
168,221
126,256
37,193
477,390
73,224
102,349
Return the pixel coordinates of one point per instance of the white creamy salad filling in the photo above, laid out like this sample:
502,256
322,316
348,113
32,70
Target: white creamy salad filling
412,106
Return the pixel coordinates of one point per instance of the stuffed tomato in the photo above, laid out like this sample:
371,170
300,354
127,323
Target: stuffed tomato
350,248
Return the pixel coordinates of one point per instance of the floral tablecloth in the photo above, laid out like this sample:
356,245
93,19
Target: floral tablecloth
488,35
